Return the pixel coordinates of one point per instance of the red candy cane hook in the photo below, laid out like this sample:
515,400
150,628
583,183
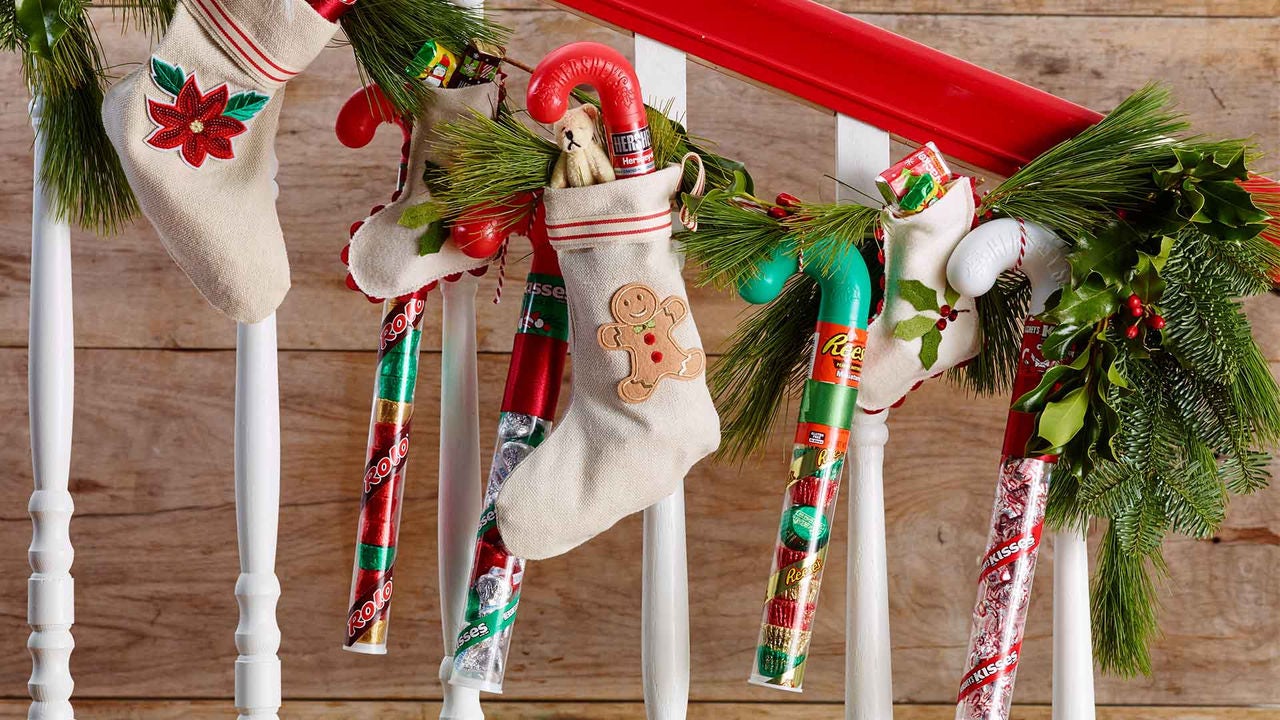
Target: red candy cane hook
586,63
361,115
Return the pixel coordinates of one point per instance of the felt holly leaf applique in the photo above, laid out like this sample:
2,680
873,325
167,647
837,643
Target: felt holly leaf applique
430,215
244,105
933,319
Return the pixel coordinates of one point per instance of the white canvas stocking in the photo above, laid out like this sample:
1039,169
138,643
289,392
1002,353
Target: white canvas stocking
195,129
913,339
641,414
385,260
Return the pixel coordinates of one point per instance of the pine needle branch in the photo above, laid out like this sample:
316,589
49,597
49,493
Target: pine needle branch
386,34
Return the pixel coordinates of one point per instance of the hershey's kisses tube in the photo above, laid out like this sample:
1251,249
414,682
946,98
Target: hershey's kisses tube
369,610
827,406
1008,565
528,408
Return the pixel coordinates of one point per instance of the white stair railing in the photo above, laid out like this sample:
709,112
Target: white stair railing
50,383
665,603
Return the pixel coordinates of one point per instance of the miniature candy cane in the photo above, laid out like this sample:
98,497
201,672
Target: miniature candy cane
626,125
528,408
1008,566
822,436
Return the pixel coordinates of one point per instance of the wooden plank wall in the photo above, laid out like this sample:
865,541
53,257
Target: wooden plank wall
151,470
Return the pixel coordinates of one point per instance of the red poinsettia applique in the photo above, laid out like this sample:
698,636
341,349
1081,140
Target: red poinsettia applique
195,123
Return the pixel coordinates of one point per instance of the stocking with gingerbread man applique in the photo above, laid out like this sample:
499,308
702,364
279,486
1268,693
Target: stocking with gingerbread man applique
641,414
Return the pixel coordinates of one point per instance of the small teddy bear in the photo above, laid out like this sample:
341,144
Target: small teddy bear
582,161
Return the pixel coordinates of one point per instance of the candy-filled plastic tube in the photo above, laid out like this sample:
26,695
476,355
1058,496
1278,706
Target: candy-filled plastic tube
827,406
630,145
369,611
1008,564
528,408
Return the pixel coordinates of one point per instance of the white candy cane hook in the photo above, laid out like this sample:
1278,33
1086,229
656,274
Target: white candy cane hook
989,250
1007,244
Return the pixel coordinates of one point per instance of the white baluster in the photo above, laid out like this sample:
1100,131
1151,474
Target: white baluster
1072,638
460,491
868,680
862,151
665,603
50,381
257,437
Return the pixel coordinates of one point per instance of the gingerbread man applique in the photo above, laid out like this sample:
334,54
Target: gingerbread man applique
643,329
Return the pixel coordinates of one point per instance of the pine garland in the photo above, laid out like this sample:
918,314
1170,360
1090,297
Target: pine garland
765,360
63,65
386,34
1163,406
498,162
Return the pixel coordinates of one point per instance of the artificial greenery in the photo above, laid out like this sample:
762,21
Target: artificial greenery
386,34
64,67
503,163
1162,405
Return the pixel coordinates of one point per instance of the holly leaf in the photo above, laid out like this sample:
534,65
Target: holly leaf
1034,400
1109,255
1061,339
1062,419
41,22
244,105
951,295
921,296
914,327
929,343
169,78
1226,205
433,239
1084,305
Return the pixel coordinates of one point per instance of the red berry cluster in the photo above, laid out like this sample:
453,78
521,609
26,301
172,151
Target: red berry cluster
1136,309
785,204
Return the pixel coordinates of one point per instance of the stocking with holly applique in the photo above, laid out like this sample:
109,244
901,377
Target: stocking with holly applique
925,327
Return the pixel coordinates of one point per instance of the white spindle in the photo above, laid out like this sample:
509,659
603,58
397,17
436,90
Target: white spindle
1072,638
868,681
50,381
665,603
862,151
460,492
257,438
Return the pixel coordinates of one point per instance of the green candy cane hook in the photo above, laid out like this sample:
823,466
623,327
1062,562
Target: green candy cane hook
827,406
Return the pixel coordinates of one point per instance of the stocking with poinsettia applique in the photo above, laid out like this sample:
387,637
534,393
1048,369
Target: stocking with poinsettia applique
195,130
640,415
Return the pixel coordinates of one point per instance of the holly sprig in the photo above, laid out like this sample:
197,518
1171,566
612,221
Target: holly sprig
932,320
1162,406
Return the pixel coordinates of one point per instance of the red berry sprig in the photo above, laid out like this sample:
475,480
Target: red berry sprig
1139,311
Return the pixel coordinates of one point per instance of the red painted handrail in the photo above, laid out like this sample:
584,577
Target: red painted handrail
857,69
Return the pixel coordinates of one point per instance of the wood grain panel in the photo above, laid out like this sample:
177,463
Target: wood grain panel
128,293
156,559
505,710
